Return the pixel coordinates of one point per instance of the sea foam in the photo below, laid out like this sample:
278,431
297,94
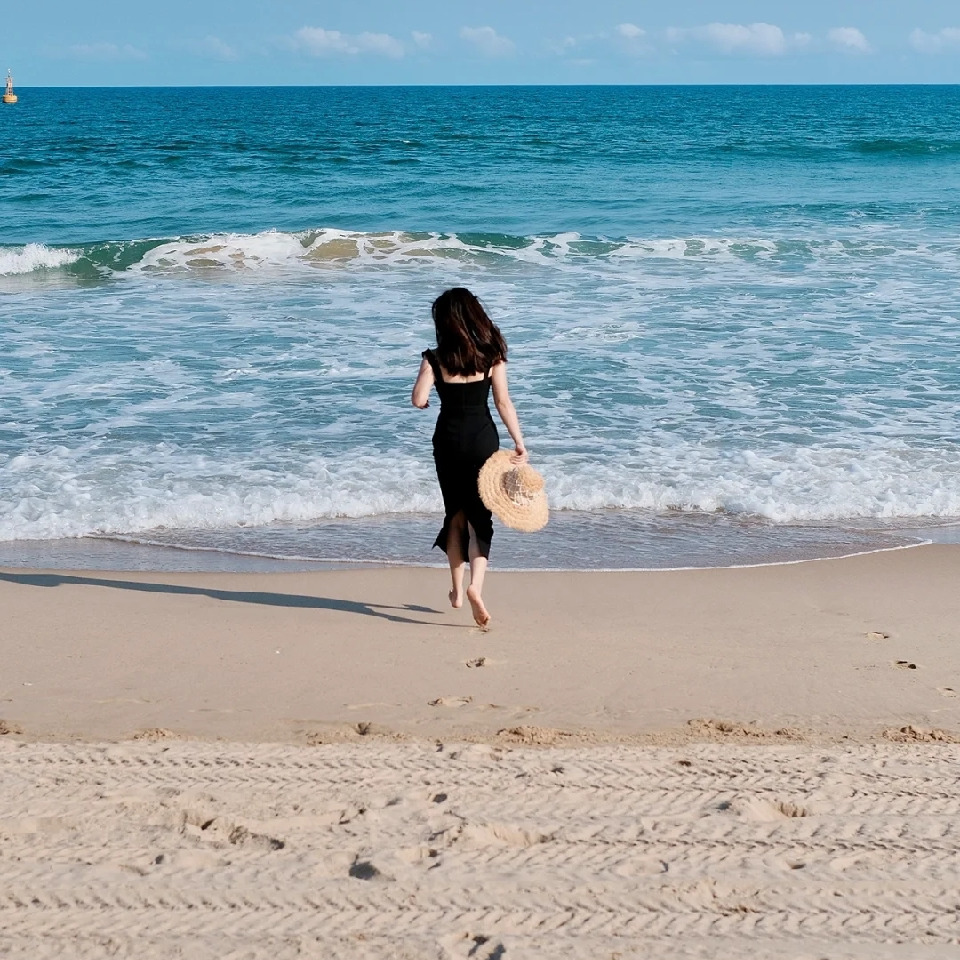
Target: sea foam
273,250
32,257
70,493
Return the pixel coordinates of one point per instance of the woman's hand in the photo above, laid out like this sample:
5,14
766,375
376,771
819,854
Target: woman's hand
520,454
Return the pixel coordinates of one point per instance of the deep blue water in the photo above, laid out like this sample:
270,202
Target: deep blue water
89,165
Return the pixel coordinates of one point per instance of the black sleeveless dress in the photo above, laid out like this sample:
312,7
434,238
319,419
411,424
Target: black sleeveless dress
465,436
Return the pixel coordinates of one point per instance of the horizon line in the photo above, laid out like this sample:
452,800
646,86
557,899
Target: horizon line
361,86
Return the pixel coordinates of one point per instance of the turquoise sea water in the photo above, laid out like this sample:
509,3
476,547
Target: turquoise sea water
732,312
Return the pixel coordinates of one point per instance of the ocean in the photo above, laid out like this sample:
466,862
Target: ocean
733,316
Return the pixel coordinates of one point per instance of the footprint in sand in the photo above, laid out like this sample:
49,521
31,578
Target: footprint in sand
476,662
904,665
877,635
474,946
156,733
947,692
450,702
367,870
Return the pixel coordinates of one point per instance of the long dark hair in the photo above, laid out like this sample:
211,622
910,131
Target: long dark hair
468,341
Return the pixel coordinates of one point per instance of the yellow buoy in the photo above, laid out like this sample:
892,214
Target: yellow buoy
9,96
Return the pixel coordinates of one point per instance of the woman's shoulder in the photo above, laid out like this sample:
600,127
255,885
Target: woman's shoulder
431,358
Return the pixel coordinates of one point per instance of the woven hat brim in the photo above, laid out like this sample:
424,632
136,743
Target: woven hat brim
530,515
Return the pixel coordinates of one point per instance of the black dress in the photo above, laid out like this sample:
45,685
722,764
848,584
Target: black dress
464,438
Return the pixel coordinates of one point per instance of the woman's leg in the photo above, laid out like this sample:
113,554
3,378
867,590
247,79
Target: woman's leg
455,557
478,567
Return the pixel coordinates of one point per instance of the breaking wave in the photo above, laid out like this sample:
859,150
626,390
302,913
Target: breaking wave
273,250
34,257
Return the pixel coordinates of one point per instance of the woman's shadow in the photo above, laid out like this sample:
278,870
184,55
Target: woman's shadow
378,610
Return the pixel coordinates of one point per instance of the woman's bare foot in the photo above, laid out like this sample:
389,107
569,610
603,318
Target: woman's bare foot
456,599
479,610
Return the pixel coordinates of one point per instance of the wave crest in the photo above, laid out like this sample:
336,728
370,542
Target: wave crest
33,257
330,247
275,250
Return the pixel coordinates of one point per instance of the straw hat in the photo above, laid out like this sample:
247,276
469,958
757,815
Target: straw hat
514,493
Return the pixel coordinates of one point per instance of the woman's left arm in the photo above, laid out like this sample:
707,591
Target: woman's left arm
421,389
507,411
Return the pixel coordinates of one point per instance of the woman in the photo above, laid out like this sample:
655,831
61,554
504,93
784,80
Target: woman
471,355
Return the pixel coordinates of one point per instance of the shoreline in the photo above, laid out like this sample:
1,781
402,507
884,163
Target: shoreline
613,540
845,649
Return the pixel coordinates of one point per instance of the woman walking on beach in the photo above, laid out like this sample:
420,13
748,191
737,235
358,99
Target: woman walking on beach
471,355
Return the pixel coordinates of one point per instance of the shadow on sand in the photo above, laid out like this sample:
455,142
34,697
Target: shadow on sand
378,610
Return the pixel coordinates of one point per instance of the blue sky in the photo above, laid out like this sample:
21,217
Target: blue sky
177,42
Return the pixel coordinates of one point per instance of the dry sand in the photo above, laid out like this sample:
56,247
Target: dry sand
751,763
407,850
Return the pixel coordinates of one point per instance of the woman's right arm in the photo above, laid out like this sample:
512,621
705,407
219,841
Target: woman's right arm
420,397
507,411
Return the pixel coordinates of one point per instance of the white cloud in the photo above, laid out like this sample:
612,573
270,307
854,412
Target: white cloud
422,40
106,51
324,43
580,44
935,42
632,39
630,31
212,47
849,39
764,39
561,47
381,43
488,41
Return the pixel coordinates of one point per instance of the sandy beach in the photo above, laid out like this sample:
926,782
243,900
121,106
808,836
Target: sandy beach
829,649
703,763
